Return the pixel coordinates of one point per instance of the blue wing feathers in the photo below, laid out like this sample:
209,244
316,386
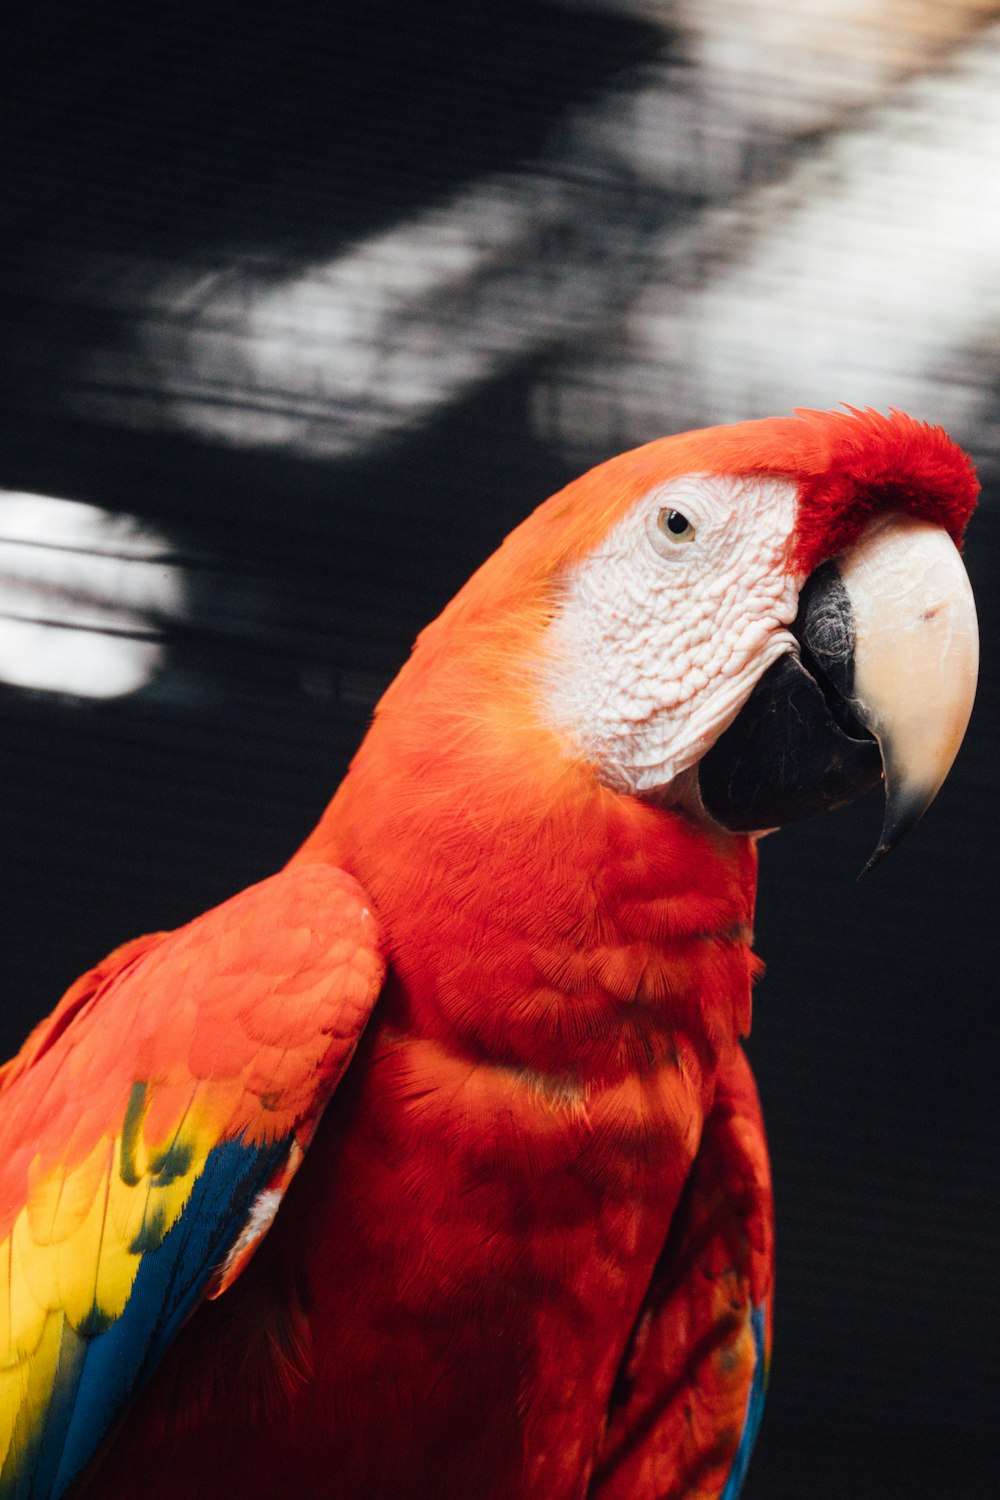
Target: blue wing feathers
98,1376
755,1407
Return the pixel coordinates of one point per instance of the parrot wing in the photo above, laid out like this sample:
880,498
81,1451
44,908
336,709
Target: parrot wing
148,1130
690,1391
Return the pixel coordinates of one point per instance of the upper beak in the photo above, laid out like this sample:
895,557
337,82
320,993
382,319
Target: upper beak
889,652
915,659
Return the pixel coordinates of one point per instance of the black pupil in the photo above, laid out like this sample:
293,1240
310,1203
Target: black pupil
677,523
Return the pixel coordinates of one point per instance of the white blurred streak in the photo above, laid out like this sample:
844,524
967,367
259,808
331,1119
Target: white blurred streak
340,356
380,337
796,65
373,343
786,67
849,281
81,591
870,275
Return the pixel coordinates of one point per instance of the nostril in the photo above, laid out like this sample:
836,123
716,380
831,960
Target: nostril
825,630
825,621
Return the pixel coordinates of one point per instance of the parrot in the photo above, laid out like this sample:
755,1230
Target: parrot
432,1165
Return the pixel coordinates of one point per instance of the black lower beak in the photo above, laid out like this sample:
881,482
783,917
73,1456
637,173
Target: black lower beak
795,748
878,687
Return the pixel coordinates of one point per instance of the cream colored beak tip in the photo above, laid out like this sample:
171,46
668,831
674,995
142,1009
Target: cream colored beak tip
916,659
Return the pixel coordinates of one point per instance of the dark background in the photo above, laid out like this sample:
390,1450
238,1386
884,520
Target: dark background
168,179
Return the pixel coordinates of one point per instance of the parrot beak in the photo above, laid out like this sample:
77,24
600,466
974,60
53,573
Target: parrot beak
916,660
881,687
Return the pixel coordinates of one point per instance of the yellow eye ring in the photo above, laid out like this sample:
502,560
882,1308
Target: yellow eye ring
675,526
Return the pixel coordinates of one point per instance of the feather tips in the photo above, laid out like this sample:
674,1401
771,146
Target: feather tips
178,1081
690,1389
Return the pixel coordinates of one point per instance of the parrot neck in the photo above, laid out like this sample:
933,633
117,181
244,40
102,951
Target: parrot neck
532,915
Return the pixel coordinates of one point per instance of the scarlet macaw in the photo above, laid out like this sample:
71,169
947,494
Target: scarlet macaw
529,1253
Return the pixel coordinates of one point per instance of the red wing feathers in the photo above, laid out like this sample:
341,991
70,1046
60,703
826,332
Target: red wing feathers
689,1392
147,1132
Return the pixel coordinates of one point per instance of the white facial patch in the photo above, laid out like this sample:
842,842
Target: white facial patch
661,633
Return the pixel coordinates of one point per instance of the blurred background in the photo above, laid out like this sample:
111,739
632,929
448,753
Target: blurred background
302,310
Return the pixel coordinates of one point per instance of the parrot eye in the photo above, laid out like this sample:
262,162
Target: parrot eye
676,527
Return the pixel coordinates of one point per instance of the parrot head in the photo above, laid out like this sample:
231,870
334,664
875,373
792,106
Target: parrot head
749,623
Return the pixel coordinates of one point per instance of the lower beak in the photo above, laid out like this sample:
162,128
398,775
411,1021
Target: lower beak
882,686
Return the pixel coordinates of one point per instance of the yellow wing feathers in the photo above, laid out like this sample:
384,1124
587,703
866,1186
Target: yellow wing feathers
228,1035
